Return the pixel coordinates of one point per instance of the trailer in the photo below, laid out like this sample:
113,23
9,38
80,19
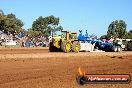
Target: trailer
92,44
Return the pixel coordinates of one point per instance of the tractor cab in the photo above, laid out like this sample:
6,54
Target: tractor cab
72,36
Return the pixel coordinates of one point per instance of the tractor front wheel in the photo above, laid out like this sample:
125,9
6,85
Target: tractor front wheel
76,47
66,46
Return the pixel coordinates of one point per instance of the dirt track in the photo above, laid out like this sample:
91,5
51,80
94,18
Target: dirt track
38,68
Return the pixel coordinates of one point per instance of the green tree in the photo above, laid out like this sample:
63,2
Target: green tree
117,29
130,31
129,35
2,22
46,24
10,24
32,33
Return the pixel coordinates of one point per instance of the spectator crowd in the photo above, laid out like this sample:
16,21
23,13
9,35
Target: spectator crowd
22,40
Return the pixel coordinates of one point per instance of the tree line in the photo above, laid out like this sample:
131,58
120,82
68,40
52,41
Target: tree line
44,25
117,29
41,26
10,24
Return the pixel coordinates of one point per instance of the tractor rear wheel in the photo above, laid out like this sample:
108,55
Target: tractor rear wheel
51,48
66,46
76,47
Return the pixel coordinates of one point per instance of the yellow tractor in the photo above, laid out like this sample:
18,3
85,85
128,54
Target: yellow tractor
64,41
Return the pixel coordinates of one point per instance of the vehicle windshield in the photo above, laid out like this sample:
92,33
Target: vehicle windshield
73,36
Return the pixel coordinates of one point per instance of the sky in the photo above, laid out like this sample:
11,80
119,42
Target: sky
91,15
